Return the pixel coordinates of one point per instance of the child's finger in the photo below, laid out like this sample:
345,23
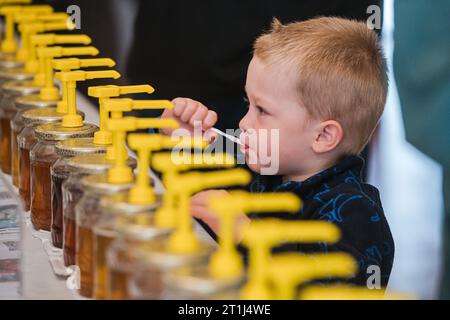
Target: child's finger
179,106
198,115
210,120
189,111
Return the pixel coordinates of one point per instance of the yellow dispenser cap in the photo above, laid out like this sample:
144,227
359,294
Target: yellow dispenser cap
46,55
261,236
121,173
103,136
226,261
70,64
9,44
288,271
145,145
342,292
183,240
116,108
69,81
170,165
27,22
47,39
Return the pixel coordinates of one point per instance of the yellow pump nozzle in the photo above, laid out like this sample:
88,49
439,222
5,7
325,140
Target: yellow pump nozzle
9,44
69,82
261,236
116,108
226,261
287,271
121,173
103,136
145,145
47,39
342,292
46,55
70,64
27,23
171,165
183,240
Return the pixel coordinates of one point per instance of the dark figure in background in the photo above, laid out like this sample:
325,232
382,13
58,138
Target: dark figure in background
201,49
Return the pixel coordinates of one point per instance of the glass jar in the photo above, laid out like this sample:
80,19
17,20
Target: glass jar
42,157
23,104
10,91
121,257
155,261
14,74
197,283
26,141
113,207
87,213
60,171
72,192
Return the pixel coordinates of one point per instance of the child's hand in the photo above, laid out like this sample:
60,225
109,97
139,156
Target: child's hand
190,113
200,210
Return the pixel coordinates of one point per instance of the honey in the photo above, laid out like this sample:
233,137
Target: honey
5,146
121,255
72,192
102,240
26,141
22,104
60,172
42,157
10,91
88,214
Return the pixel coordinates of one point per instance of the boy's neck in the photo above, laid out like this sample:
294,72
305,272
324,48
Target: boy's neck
311,171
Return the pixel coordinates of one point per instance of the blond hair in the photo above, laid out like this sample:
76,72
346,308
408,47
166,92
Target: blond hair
341,72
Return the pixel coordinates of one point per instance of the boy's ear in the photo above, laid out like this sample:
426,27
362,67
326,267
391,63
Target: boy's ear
329,136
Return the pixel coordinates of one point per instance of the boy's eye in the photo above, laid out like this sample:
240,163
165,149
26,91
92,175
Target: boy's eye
261,111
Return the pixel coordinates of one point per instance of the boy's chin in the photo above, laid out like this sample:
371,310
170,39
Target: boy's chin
264,170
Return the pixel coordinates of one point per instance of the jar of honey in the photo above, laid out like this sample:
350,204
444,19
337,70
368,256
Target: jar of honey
26,141
133,232
10,91
60,172
156,260
72,192
23,104
42,157
87,214
116,208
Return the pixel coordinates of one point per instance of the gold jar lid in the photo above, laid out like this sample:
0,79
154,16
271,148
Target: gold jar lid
42,116
101,184
119,204
157,254
56,132
20,88
8,61
95,163
78,146
197,281
17,74
34,101
140,226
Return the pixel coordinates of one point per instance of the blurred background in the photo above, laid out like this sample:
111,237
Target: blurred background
200,49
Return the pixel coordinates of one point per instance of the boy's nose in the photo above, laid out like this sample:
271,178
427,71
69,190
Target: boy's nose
244,124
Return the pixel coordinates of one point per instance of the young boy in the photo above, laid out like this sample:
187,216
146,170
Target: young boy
322,85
